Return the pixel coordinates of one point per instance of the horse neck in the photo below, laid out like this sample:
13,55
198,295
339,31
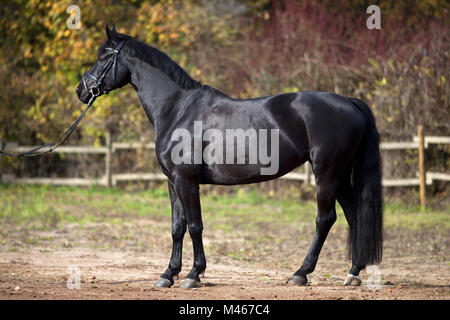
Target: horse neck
158,93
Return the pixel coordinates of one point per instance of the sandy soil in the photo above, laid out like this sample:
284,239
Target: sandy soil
36,265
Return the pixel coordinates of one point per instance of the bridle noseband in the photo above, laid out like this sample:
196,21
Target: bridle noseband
98,89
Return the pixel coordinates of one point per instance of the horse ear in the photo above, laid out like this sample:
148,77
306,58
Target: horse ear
108,32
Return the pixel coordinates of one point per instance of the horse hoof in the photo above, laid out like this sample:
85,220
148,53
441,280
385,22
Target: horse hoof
189,283
163,283
352,280
298,280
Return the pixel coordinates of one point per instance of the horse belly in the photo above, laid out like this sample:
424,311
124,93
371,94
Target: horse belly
233,174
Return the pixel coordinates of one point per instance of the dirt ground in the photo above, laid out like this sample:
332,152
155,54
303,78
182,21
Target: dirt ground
113,266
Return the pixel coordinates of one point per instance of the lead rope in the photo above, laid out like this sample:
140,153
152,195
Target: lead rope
57,142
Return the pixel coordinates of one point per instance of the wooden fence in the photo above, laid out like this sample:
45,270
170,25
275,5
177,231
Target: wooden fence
420,143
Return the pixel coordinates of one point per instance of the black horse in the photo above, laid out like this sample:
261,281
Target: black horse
336,134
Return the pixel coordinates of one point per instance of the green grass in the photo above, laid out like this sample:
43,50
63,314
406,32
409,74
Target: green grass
47,207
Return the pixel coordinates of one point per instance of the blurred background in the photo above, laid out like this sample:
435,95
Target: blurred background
245,48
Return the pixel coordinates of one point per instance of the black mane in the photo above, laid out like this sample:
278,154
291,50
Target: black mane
159,60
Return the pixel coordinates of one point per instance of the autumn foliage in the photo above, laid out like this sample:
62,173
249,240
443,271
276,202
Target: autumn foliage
246,48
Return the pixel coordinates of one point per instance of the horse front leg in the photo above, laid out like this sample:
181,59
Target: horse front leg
189,196
345,197
178,231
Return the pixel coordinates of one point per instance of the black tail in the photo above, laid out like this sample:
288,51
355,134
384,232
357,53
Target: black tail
366,236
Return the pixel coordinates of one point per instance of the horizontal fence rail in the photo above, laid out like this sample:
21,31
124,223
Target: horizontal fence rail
111,179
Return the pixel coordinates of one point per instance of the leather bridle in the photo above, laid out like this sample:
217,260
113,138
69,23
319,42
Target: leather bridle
95,91
99,89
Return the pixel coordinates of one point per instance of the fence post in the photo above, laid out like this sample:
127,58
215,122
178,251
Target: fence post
307,174
422,173
108,172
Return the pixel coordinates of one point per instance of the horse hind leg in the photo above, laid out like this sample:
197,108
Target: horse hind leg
346,200
326,185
